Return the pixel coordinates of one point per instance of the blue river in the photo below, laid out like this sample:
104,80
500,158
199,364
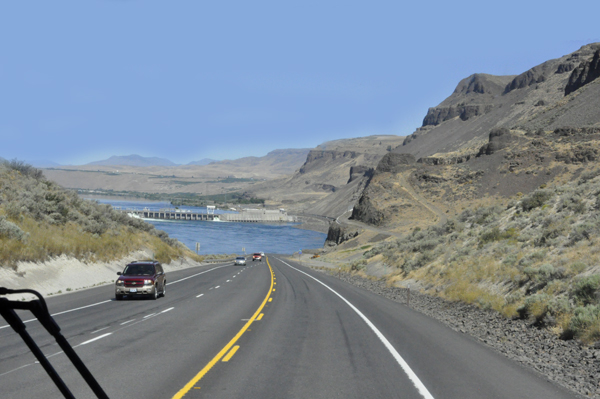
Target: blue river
228,237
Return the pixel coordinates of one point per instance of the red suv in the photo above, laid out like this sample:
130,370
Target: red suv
141,278
257,256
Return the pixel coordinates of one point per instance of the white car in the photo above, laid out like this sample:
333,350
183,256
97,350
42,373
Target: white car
240,260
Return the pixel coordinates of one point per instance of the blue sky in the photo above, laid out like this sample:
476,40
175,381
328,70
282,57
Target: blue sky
81,80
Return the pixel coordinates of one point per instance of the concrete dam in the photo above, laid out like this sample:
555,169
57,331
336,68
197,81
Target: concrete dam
245,215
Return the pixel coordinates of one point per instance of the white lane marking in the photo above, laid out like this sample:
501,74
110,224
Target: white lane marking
150,315
87,342
66,311
217,287
194,275
198,296
57,353
94,332
94,339
110,300
18,368
228,281
411,374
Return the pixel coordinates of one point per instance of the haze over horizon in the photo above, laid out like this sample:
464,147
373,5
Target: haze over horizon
84,81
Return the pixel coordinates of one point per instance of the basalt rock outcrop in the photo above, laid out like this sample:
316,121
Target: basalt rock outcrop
585,73
395,163
338,234
367,212
499,139
532,100
359,171
435,116
315,158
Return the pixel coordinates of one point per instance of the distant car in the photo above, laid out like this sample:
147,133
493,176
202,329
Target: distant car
240,260
262,254
257,256
141,278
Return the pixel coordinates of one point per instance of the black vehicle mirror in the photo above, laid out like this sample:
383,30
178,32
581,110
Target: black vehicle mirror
119,273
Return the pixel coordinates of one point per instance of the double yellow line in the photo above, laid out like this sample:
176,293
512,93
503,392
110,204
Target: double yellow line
227,347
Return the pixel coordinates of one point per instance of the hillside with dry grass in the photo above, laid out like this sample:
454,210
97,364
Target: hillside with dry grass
40,221
536,257
495,200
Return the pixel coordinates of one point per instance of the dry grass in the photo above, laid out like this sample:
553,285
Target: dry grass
47,241
526,256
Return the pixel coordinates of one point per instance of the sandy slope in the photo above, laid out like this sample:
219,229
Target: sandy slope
64,274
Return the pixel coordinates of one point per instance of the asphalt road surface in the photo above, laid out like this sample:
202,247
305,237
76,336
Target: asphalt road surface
266,330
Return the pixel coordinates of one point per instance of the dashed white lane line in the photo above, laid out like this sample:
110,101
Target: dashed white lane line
197,274
198,296
110,300
66,311
18,368
93,339
228,281
98,330
218,286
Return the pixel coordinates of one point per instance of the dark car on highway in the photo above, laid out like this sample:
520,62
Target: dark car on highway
141,279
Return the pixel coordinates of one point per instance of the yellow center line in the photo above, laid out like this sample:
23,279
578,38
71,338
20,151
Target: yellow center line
260,316
231,353
227,347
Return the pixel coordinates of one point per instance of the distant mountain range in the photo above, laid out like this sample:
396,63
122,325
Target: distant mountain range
133,160
202,162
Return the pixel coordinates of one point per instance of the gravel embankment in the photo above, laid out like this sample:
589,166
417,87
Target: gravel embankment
568,363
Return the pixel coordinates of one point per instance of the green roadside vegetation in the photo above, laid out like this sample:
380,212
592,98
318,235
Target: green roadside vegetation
39,220
181,199
536,258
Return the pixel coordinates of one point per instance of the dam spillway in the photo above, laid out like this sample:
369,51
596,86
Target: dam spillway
245,215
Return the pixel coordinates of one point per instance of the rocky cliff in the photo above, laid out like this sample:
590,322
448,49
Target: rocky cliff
493,137
554,94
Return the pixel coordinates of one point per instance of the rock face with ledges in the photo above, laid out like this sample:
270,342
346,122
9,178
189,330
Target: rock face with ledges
500,138
586,72
532,100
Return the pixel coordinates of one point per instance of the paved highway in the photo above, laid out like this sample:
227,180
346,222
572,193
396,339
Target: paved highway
267,330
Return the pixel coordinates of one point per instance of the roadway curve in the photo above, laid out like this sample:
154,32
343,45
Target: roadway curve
298,334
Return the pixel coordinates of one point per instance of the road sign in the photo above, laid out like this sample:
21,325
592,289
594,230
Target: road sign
197,248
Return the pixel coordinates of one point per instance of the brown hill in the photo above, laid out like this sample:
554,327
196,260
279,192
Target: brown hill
214,178
493,138
332,177
560,92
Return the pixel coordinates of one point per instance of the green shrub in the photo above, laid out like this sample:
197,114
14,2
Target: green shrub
578,267
10,230
535,200
584,317
585,290
573,203
587,176
536,306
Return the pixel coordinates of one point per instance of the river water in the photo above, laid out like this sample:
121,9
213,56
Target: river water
228,237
